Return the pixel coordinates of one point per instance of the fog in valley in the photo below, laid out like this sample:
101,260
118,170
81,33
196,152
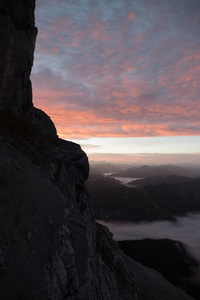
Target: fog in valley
186,230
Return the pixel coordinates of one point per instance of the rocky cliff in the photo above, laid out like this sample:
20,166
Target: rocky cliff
50,245
17,44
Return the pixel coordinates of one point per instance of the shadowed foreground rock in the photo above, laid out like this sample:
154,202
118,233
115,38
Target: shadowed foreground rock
50,245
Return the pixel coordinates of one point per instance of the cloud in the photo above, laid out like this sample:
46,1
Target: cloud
132,16
145,158
185,230
119,68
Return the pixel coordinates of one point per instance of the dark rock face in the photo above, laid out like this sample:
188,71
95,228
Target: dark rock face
17,44
18,34
168,257
42,201
40,120
50,245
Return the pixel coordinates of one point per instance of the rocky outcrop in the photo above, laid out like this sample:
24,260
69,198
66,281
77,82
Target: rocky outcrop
18,35
50,244
17,44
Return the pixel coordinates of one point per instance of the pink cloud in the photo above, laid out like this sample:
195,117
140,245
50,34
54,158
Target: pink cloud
129,113
132,16
100,74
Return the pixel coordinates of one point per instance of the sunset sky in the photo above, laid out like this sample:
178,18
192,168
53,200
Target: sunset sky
121,77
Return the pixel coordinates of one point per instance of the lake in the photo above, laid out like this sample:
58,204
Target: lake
123,180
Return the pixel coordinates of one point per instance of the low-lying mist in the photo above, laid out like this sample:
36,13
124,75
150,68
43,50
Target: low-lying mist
186,230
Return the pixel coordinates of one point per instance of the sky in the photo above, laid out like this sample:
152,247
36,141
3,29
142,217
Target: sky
121,77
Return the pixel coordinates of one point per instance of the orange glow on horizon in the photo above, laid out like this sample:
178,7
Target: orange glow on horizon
145,158
73,124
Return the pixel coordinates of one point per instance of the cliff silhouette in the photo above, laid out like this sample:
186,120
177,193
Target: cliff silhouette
50,245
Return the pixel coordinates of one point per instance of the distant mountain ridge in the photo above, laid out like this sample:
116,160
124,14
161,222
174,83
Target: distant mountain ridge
162,170
113,201
103,168
159,179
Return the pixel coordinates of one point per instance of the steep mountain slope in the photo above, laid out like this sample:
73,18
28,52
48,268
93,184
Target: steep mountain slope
170,258
113,201
50,245
179,198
